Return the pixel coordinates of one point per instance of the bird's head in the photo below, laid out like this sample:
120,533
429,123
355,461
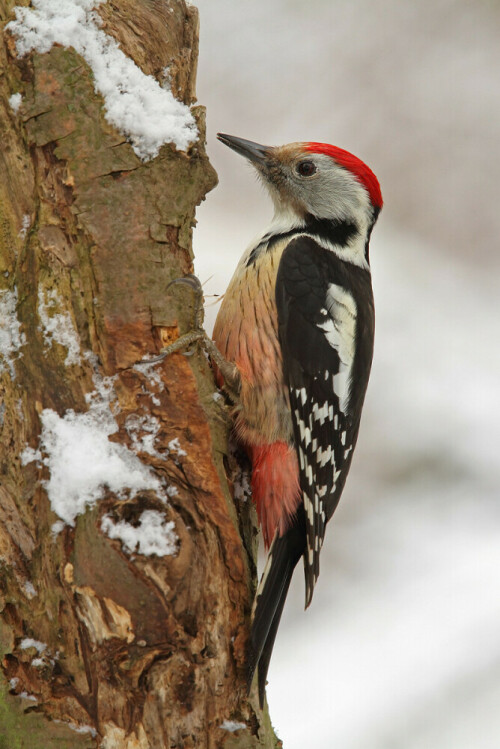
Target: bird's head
314,179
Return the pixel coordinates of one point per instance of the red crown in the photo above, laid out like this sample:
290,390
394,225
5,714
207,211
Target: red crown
358,168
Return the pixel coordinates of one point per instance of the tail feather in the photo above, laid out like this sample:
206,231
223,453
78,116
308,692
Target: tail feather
265,657
282,559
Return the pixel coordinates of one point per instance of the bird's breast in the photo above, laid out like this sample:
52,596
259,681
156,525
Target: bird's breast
246,333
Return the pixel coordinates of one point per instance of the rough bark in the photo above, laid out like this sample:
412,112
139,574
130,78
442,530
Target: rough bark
147,651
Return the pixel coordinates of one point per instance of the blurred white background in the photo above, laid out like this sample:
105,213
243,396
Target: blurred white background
401,646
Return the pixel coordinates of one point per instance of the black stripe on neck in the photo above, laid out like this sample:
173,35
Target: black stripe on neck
336,232
268,241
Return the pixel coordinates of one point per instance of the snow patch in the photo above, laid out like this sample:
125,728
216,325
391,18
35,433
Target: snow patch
29,642
58,326
80,729
149,426
11,338
25,226
29,590
83,462
57,527
149,371
152,536
29,455
15,102
135,103
174,446
232,726
143,431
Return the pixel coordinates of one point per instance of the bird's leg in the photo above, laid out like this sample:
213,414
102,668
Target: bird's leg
229,371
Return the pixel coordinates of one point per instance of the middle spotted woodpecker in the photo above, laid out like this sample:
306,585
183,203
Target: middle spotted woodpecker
297,320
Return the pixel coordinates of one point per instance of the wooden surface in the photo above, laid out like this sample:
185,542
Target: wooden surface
150,650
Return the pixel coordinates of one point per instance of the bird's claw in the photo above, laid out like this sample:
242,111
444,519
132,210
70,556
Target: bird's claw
194,284
190,280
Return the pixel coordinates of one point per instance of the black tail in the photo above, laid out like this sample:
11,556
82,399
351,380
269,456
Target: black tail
282,559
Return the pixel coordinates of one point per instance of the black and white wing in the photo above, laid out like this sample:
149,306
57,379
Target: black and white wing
325,327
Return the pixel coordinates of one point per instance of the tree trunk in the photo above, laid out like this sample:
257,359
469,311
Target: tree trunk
127,569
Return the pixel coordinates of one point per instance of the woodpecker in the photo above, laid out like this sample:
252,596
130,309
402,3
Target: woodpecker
297,321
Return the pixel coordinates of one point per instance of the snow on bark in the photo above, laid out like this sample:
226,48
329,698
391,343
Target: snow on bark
135,103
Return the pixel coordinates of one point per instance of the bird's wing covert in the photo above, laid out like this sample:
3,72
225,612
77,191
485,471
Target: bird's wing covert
317,331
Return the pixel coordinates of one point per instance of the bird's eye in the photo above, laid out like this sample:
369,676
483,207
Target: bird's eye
306,168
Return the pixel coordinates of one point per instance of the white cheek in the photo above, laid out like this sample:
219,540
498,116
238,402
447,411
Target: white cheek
334,193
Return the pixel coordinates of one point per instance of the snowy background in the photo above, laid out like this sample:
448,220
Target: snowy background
401,647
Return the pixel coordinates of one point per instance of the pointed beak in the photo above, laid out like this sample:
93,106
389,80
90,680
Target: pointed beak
251,151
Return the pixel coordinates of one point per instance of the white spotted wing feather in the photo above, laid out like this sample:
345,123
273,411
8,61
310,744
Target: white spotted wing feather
318,319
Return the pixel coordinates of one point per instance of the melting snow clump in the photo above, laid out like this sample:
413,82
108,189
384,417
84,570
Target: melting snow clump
83,462
135,424
25,226
174,446
29,642
152,536
232,725
15,102
147,369
81,729
29,589
77,728
29,455
11,338
134,103
58,327
26,696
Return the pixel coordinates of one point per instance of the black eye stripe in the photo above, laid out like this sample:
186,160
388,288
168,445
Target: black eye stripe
306,168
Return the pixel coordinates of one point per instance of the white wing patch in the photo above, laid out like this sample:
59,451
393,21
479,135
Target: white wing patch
340,332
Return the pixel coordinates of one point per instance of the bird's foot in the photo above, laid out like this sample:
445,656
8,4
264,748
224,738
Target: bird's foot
228,370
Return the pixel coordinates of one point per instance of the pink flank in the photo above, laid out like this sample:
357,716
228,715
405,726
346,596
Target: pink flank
361,171
275,486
